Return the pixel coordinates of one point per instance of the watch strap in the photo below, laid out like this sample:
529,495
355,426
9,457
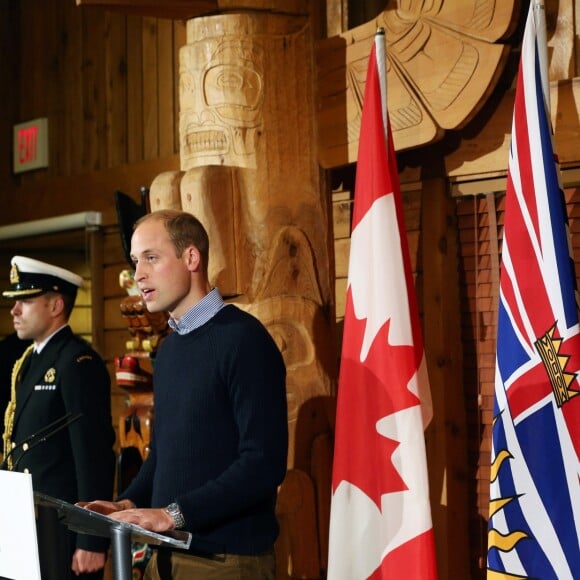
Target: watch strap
174,511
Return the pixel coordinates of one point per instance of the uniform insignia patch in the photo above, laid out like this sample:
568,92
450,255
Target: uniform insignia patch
45,387
14,274
50,375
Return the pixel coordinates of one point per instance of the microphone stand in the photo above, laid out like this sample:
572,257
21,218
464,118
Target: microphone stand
39,437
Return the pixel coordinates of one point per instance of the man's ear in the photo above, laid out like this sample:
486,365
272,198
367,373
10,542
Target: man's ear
193,257
57,305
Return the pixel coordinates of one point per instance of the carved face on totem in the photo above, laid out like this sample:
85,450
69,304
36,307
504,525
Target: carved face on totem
221,94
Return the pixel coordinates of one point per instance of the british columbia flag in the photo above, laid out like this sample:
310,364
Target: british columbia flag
535,491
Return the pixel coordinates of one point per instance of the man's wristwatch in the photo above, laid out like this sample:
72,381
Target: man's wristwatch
174,511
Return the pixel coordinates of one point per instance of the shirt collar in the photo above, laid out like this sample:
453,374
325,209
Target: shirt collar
199,314
38,348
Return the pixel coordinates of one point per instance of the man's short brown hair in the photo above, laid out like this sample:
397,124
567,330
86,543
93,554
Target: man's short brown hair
184,230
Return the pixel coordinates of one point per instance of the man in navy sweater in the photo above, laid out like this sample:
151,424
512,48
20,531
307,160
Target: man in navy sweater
220,438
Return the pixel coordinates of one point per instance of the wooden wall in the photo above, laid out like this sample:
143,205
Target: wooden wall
106,82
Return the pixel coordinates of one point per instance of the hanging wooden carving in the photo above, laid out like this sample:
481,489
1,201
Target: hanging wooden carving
443,61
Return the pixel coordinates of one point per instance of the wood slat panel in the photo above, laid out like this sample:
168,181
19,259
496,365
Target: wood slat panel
93,89
113,318
6,326
341,217
113,250
135,74
166,87
55,96
72,60
150,89
340,297
179,40
115,340
116,89
183,9
479,313
80,320
341,256
8,98
112,288
85,72
33,60
412,209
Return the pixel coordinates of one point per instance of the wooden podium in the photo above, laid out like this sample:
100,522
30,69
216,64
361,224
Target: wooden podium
83,521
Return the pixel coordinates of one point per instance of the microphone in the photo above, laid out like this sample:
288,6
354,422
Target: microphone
39,437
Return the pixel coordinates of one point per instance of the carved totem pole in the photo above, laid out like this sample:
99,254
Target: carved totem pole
249,173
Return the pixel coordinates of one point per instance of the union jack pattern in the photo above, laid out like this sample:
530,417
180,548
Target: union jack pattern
535,491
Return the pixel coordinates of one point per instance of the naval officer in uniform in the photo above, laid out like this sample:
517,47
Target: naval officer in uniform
58,374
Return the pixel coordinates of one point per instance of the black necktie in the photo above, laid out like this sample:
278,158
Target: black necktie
28,363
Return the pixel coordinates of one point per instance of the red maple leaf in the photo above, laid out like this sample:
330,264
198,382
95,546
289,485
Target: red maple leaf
369,391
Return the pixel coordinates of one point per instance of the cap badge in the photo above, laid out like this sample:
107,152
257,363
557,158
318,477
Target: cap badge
50,375
14,274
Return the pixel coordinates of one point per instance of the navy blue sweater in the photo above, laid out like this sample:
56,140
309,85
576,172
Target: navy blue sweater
220,434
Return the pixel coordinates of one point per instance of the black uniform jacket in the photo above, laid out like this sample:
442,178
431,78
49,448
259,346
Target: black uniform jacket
78,463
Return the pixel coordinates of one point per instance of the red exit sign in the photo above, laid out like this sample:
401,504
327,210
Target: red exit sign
31,145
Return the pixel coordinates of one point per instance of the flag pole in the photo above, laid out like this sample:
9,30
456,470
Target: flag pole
542,48
381,54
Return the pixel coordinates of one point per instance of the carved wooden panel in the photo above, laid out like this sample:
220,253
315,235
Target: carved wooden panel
443,61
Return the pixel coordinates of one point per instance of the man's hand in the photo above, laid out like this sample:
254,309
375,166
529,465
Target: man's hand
152,519
85,561
106,507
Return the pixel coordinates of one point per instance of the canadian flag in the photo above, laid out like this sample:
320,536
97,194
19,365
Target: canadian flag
380,522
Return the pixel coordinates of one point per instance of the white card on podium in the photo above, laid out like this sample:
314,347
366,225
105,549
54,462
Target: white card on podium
18,544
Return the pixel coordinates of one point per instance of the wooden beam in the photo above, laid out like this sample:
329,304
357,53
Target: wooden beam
484,155
186,9
95,241
447,434
70,194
